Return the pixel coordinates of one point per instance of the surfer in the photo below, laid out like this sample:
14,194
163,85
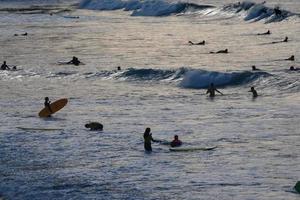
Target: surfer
292,58
220,51
119,68
265,33
277,11
147,139
74,61
211,90
94,126
47,105
254,68
285,39
199,43
4,66
292,68
176,142
254,93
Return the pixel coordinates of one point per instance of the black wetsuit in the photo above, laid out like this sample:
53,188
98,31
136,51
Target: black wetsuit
147,141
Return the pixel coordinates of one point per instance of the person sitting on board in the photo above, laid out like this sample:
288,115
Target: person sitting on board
94,126
254,93
147,139
254,68
265,33
211,90
47,105
74,61
220,51
176,142
292,58
4,66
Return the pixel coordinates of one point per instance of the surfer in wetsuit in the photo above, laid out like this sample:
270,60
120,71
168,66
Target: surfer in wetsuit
176,142
94,126
254,68
147,139
254,93
74,61
4,66
211,90
292,58
266,33
220,51
47,105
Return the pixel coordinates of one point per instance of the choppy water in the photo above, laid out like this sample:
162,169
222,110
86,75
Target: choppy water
162,85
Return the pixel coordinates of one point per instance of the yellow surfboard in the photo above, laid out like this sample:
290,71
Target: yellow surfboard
55,106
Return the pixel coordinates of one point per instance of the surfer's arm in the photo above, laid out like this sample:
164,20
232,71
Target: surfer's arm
219,92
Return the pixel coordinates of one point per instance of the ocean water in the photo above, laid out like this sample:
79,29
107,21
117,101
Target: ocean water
162,85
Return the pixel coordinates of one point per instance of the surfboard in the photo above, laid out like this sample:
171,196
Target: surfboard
39,129
186,149
55,106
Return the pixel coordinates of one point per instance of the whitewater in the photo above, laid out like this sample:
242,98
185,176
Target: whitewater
162,84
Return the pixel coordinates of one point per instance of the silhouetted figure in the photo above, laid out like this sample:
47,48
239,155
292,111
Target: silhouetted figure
254,93
266,33
147,139
25,34
292,58
119,68
47,105
4,66
94,126
292,68
220,51
176,142
254,68
211,90
285,39
199,43
74,61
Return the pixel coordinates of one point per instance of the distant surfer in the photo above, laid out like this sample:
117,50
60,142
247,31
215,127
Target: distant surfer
199,43
119,68
147,139
292,68
94,126
277,11
254,93
220,51
47,105
211,90
265,33
292,58
4,66
176,142
286,39
74,61
254,68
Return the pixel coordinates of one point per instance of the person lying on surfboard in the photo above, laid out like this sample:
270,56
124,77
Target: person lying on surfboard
176,142
94,126
74,61
47,105
147,139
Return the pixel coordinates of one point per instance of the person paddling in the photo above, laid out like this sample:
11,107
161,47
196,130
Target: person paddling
94,126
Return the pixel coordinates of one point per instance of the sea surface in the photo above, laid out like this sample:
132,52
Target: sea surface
162,85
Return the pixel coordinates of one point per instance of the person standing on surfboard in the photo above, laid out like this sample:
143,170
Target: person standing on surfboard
147,139
47,105
211,90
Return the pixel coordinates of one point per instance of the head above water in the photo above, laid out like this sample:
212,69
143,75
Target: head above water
253,67
46,98
175,137
252,88
4,62
148,130
292,68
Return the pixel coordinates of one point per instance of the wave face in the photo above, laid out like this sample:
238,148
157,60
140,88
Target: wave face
258,11
251,11
141,8
201,79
